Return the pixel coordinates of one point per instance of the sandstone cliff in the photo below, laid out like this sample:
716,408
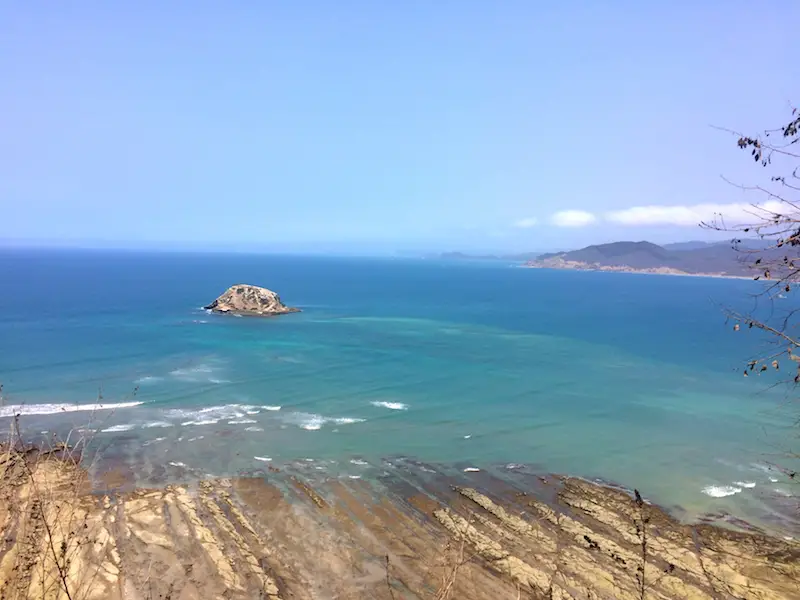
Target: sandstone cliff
242,299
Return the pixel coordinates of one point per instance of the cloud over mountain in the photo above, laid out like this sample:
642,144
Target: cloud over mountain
572,218
692,215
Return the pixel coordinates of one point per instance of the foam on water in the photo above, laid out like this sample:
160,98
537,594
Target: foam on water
288,359
190,370
359,462
117,428
198,374
390,405
212,414
201,422
242,422
471,470
54,409
253,429
157,424
154,441
745,484
314,422
720,491
263,458
345,420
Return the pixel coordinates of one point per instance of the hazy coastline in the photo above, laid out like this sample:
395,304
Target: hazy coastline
577,266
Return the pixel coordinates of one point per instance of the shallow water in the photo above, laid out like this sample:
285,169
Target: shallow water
623,377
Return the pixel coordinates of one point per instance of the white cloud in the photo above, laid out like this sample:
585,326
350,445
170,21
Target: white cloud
526,223
692,215
572,218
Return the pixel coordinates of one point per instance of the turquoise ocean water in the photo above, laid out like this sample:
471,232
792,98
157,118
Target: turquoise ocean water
629,378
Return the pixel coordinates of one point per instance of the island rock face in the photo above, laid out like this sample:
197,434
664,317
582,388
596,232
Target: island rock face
243,299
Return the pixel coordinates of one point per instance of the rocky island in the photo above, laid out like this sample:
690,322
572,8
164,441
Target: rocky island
243,299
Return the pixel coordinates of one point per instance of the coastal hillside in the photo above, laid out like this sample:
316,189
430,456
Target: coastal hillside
692,259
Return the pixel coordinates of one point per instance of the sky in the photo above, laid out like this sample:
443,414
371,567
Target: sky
359,126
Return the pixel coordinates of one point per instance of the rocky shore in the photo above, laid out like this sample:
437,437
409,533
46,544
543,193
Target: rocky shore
415,533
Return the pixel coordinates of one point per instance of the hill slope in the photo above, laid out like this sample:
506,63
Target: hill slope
710,259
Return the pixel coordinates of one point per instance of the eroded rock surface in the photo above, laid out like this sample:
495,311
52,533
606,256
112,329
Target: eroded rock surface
242,299
420,534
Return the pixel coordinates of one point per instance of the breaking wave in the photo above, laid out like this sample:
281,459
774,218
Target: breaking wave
117,428
390,405
314,422
214,414
720,491
54,409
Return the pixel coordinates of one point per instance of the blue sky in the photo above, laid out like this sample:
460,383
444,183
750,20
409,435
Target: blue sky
375,126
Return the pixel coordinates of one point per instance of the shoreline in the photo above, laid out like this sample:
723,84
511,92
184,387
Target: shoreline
276,534
772,512
637,272
771,517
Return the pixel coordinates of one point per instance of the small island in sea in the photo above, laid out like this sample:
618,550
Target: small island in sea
243,299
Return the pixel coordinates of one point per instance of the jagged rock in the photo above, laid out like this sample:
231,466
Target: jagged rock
242,299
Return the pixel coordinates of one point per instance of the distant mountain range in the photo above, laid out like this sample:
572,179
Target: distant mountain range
684,258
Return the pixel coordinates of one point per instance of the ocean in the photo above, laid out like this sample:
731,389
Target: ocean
624,378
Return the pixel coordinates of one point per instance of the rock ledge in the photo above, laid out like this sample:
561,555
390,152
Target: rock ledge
243,299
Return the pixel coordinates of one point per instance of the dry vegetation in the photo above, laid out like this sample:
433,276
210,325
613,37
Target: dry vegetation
768,241
47,522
